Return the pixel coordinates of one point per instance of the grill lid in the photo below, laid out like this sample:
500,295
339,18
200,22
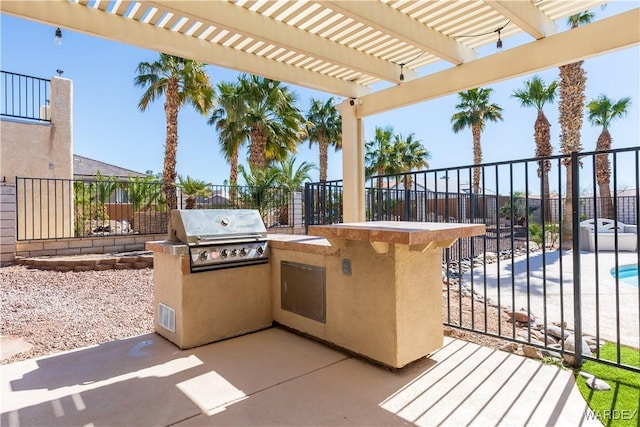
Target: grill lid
202,226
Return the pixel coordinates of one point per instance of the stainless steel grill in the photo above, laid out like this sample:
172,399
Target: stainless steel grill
220,238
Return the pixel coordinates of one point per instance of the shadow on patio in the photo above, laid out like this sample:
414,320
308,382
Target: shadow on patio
275,377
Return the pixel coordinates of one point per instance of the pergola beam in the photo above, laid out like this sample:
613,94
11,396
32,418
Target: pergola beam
600,37
525,16
98,23
237,19
384,18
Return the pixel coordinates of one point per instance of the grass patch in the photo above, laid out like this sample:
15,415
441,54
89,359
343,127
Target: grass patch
619,406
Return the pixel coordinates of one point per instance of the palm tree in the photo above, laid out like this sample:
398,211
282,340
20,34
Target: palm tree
193,188
274,123
143,193
260,192
474,110
324,127
101,190
408,154
601,112
290,179
181,81
227,118
571,107
535,94
378,153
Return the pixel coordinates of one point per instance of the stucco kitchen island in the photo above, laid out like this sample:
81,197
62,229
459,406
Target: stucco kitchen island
373,288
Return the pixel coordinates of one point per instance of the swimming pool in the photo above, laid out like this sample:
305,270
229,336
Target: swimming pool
627,273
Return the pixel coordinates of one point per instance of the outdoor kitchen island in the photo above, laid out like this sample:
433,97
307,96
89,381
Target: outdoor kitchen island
373,288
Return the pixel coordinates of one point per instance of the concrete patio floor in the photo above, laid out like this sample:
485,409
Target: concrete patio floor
275,377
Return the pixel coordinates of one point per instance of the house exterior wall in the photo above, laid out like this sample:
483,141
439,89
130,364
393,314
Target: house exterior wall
42,150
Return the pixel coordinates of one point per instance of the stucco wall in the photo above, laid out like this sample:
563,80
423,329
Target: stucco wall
40,150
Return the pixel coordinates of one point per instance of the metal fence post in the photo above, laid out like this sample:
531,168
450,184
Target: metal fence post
308,205
575,219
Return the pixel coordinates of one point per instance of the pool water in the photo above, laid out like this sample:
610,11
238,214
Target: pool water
627,273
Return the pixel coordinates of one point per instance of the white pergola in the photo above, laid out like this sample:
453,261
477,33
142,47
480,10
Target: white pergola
371,52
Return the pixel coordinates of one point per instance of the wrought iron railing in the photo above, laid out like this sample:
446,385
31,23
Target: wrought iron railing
25,97
64,208
534,258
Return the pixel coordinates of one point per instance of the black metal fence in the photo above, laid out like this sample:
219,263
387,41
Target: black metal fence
65,208
559,257
25,97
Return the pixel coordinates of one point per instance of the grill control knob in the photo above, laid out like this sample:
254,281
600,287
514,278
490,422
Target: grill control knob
234,252
204,256
244,252
260,250
224,253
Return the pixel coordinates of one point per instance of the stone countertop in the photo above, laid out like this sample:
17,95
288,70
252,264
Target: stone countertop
167,247
399,232
302,243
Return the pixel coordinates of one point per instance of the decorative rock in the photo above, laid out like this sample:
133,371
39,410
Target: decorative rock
531,352
510,347
522,316
551,340
570,344
586,375
489,257
537,334
555,331
549,353
534,341
598,384
533,246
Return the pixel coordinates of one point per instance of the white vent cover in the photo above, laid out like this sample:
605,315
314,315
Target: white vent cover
167,317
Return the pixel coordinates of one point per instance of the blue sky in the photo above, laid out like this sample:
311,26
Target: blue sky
109,127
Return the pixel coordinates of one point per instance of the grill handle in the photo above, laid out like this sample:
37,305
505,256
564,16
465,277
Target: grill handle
236,239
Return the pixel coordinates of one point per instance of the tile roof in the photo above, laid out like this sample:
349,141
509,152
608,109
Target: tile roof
84,167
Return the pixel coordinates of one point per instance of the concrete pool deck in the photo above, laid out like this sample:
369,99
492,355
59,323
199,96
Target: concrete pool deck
551,276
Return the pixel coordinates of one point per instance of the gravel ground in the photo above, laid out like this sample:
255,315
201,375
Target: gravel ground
61,311
58,311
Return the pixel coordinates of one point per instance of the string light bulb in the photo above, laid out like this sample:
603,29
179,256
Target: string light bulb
58,38
401,73
499,42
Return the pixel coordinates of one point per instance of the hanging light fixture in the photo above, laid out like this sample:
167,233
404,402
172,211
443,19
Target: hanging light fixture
499,42
401,73
58,38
